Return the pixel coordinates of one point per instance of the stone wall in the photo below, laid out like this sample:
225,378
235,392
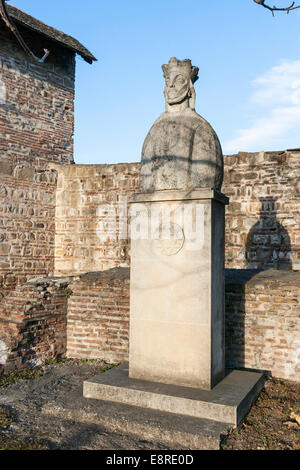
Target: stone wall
27,223
36,128
263,218
98,316
36,102
85,195
87,317
33,321
263,321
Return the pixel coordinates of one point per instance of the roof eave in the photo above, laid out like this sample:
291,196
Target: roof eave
89,59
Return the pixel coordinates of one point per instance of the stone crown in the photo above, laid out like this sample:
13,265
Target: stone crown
185,66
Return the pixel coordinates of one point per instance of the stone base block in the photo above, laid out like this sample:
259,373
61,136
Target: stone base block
228,402
169,429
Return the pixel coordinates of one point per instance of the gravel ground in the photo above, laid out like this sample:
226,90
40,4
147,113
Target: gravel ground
272,424
24,400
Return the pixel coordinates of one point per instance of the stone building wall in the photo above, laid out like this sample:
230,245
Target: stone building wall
87,317
262,219
36,128
263,321
36,102
27,224
86,195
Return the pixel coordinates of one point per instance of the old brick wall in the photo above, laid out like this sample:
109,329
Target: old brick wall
36,102
263,218
98,316
263,321
36,128
33,320
27,224
85,195
87,317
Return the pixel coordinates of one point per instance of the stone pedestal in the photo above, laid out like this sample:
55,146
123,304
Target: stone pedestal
177,288
176,344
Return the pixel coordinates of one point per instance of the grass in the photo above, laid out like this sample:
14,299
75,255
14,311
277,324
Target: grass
8,443
109,367
5,418
26,374
37,372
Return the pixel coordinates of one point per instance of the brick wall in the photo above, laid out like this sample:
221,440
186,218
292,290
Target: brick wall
27,223
85,194
263,321
33,321
263,217
87,317
36,102
36,128
98,316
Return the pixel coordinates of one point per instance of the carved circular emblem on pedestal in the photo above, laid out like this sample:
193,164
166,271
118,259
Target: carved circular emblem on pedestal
168,239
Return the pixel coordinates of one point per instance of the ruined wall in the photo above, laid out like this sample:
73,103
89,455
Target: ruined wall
87,317
33,320
262,219
27,224
98,316
263,321
85,195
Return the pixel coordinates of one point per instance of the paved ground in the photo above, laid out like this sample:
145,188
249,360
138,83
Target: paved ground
25,399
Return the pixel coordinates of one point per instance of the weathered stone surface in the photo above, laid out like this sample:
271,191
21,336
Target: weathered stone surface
263,219
84,206
172,430
181,151
267,206
228,402
177,292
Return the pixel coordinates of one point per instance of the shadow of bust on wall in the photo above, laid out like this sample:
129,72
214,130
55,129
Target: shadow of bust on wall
268,243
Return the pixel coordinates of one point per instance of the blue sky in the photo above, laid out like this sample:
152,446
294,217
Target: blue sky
249,85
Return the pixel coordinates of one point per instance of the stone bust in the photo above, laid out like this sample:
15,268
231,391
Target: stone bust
181,150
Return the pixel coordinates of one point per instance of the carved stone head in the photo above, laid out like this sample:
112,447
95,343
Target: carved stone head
180,77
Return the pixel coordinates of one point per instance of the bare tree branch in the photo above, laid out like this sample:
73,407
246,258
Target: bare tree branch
272,9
